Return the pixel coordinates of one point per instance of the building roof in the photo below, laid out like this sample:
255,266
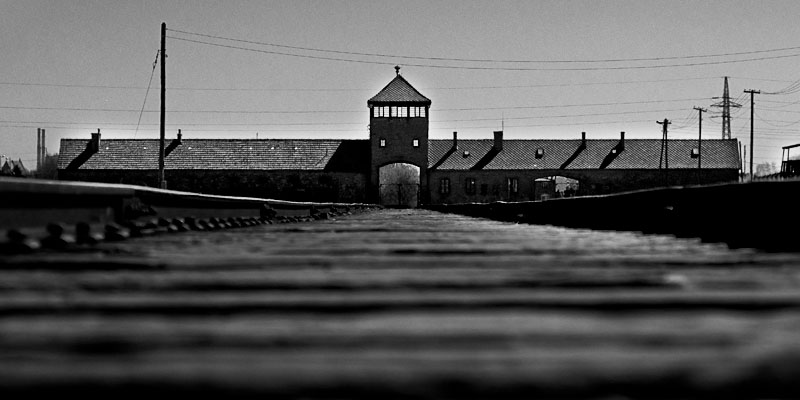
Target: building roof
219,154
11,167
569,154
353,155
399,91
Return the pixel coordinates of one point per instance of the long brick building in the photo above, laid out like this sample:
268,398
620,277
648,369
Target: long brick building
400,165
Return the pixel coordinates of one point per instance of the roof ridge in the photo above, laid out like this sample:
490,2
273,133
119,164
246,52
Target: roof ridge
403,92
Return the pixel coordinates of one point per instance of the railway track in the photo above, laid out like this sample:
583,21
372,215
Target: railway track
393,304
56,215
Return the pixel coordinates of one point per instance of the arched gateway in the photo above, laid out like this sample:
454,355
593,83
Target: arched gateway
398,134
398,185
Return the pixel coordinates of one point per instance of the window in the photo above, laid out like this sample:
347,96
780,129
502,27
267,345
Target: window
469,185
418,111
380,111
539,152
695,152
382,143
484,189
444,186
415,142
513,186
401,112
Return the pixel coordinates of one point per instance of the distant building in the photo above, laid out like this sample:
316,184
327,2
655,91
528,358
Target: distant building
790,167
400,165
9,167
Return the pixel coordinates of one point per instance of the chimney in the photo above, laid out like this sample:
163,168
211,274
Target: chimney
44,147
455,140
583,138
621,141
94,144
180,136
38,149
498,140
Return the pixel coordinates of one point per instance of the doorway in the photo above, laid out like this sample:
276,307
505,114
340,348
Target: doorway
398,185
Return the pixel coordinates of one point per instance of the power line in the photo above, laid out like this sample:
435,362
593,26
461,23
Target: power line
395,56
147,92
348,130
257,124
344,111
351,60
572,84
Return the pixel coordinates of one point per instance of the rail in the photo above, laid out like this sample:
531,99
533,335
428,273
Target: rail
36,213
753,214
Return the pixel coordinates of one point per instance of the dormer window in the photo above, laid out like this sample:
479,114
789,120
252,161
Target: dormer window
539,152
695,152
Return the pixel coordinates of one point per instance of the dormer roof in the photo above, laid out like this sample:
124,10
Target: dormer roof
399,91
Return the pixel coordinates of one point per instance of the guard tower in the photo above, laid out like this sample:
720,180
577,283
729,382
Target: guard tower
398,135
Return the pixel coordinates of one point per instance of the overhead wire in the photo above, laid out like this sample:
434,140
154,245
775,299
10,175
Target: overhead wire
465,67
144,102
214,111
396,56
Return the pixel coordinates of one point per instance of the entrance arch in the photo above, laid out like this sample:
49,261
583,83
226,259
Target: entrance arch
398,185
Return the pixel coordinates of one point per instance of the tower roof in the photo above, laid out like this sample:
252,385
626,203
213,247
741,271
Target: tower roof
399,91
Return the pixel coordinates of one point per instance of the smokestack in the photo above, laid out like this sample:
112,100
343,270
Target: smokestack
44,147
38,149
622,140
455,140
498,140
94,144
180,136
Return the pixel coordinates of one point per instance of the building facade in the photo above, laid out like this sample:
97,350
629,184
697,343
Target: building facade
400,165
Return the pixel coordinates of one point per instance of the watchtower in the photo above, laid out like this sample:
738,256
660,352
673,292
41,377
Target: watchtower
398,132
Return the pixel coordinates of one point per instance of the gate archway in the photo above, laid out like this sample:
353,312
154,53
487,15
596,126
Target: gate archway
398,185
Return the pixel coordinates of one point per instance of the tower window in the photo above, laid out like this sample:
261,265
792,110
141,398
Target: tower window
444,186
401,112
382,143
415,142
469,185
417,111
380,111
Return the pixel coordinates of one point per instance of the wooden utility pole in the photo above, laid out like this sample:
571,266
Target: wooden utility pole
700,111
664,150
664,144
752,92
700,136
161,181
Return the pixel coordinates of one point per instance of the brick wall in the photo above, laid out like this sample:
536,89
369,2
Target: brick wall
591,182
399,134
284,185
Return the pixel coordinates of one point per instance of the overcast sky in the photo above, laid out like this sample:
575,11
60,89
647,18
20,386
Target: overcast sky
293,70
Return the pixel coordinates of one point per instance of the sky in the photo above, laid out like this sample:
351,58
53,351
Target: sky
305,69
